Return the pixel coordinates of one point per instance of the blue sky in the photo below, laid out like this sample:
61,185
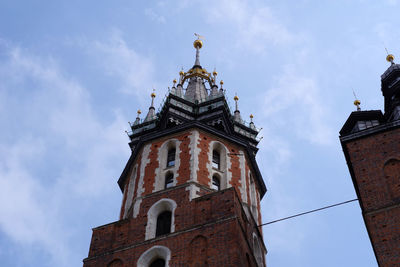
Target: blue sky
73,73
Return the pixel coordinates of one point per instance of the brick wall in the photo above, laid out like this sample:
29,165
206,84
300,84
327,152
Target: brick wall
183,173
375,161
212,229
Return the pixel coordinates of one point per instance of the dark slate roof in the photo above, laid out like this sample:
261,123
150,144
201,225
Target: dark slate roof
356,116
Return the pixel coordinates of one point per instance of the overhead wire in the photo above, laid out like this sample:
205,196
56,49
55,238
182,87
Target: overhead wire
307,212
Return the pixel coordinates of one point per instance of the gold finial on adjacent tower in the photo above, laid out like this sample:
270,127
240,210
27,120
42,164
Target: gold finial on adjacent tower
390,58
139,112
356,102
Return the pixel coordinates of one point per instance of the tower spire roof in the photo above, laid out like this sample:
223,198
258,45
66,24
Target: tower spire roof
152,111
236,114
198,44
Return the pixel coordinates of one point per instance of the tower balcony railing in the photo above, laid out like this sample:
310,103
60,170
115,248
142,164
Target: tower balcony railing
140,125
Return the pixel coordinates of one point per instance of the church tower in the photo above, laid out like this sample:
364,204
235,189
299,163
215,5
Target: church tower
371,144
191,187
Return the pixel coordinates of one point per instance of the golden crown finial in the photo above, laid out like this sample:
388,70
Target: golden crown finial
221,82
198,43
356,102
153,95
174,81
139,112
251,116
390,58
215,73
236,98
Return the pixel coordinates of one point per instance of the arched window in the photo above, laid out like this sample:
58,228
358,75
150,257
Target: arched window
216,160
115,263
154,257
169,180
253,198
158,263
163,223
155,218
216,183
171,157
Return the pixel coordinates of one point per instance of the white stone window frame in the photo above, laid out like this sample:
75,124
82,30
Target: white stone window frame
223,172
130,191
154,253
253,197
257,250
164,204
162,170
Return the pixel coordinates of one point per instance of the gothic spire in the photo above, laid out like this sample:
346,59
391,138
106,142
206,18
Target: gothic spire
236,114
137,121
198,44
196,90
152,111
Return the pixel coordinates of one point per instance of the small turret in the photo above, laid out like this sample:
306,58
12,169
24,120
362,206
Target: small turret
137,121
152,111
236,114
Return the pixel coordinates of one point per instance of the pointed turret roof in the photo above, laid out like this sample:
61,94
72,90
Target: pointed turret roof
152,111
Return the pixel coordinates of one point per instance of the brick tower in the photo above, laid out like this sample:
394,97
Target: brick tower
191,187
371,144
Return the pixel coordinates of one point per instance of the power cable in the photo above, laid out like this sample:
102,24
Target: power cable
307,212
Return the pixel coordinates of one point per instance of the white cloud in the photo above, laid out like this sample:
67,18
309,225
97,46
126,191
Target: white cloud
56,120
255,27
154,16
294,101
123,63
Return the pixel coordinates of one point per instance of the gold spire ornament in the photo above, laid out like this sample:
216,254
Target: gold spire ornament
236,98
357,104
198,43
139,112
390,58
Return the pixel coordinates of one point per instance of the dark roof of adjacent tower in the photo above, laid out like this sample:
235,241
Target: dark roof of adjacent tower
362,123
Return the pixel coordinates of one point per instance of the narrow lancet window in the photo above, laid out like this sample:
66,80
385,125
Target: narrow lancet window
216,184
169,180
163,223
171,157
216,159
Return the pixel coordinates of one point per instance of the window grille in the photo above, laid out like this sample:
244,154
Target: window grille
216,160
216,184
169,179
171,157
